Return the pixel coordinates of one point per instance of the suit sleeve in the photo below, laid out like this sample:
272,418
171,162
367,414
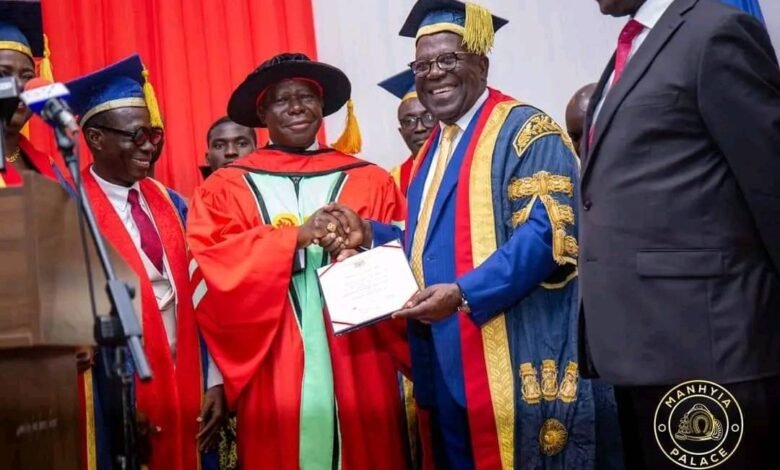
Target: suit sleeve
240,281
540,196
391,225
739,101
180,204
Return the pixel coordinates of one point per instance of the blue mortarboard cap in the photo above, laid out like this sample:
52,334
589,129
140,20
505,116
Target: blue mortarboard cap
401,85
475,23
120,85
21,27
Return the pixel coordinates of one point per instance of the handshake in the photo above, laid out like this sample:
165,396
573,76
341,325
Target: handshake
337,229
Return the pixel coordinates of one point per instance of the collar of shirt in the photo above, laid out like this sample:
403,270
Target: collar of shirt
116,194
311,148
648,16
465,120
651,11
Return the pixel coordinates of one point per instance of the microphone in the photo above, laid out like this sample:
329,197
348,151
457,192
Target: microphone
9,97
49,101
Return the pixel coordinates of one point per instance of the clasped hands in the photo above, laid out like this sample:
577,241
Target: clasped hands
340,231
337,229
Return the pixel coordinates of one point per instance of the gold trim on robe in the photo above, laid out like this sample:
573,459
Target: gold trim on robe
483,244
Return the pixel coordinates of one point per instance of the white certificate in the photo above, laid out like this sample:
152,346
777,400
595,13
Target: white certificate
367,287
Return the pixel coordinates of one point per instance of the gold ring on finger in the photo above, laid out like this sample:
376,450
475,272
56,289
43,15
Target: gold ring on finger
331,227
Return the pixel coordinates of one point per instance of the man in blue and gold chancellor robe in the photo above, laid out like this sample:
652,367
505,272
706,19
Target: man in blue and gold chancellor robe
491,236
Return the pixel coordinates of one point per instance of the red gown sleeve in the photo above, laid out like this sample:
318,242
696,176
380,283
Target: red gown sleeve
240,280
390,207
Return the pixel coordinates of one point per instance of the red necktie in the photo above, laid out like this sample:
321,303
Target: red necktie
631,30
150,239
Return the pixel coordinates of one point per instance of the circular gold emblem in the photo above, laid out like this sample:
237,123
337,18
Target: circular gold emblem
285,220
552,437
698,424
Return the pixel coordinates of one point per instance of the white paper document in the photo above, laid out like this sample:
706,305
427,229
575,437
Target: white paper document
367,287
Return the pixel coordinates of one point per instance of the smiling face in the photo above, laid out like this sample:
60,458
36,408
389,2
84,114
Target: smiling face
16,64
448,95
118,159
292,112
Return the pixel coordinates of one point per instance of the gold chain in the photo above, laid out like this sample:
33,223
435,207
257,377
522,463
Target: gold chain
14,156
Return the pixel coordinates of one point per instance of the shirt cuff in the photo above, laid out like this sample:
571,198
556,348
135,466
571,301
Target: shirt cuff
213,375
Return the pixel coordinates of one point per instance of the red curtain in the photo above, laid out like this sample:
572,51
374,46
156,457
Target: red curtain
196,51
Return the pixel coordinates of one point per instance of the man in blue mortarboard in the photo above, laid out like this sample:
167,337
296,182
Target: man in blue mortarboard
21,42
415,123
144,221
492,239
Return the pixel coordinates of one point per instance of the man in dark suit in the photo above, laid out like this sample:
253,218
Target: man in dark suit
680,226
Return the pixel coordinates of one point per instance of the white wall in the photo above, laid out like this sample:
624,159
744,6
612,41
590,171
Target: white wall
547,51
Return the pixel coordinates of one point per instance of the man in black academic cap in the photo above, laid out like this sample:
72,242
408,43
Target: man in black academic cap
258,231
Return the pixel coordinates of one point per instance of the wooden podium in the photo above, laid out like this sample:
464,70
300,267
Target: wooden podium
45,313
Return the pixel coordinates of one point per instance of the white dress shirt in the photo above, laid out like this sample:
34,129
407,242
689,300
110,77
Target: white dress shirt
311,148
648,15
164,289
462,124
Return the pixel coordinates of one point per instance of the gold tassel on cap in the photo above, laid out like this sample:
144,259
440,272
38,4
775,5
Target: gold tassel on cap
155,119
350,141
478,32
44,67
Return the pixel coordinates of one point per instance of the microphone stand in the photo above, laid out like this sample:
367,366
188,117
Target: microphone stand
119,332
2,144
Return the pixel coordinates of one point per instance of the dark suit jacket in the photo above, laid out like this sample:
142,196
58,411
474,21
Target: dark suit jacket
680,211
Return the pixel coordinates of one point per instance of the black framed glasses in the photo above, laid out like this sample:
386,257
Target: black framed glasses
409,123
140,136
446,62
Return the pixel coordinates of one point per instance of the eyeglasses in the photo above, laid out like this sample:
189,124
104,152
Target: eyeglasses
140,136
446,62
409,123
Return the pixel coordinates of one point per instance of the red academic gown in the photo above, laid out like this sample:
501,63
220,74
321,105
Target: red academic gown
248,322
172,399
402,174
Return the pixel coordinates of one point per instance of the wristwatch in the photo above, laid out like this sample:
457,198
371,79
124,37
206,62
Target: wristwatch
464,306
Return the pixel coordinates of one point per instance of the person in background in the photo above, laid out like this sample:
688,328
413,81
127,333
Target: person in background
143,222
575,115
415,123
227,141
679,222
21,42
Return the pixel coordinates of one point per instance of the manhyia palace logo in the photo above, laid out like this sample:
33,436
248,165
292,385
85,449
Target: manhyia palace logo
698,424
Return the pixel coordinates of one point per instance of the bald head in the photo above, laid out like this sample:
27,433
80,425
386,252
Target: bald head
575,114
